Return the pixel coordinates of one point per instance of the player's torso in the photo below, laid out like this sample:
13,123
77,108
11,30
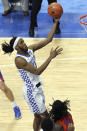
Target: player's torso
26,76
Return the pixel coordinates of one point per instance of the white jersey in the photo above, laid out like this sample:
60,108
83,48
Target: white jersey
33,95
29,79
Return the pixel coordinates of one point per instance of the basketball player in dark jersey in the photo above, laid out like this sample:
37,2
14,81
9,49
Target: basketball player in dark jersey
60,118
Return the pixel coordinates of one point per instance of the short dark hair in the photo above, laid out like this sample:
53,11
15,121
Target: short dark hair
47,124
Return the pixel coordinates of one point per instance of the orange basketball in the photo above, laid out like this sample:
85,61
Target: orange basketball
55,10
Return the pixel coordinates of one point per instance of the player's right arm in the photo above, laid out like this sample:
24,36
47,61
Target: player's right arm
46,41
23,64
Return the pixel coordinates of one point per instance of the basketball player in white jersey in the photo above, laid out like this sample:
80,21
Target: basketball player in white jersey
30,73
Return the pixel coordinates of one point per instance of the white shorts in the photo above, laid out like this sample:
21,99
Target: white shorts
35,99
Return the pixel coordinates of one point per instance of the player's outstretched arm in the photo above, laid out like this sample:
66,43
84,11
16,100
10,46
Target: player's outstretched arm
23,64
44,42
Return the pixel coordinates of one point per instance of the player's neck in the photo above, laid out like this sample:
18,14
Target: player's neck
23,53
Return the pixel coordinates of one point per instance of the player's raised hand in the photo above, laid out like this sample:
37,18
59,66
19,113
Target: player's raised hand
55,52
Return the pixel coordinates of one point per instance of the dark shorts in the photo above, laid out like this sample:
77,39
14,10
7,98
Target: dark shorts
1,77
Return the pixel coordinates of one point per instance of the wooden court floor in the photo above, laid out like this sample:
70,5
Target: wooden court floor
65,78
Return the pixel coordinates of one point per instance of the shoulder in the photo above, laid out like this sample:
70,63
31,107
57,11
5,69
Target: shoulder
30,48
20,61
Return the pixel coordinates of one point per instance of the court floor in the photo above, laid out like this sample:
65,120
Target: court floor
65,78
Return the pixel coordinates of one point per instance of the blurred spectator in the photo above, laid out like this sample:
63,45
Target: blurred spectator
8,9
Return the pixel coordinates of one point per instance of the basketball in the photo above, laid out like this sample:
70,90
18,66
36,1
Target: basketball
55,10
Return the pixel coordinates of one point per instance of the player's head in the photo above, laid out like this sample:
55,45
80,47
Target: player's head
16,43
47,124
20,45
59,109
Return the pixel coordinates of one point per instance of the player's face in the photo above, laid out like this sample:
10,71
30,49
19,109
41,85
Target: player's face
21,44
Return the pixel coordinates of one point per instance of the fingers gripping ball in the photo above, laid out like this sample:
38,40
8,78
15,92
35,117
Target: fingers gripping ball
55,10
